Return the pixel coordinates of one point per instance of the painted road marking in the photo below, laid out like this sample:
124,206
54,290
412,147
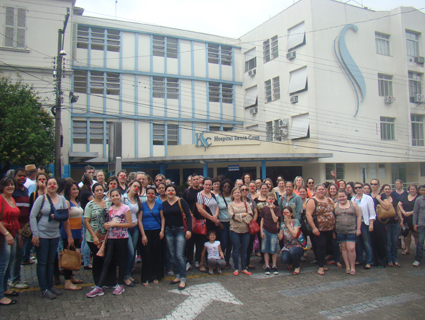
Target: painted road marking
328,286
281,273
200,297
367,306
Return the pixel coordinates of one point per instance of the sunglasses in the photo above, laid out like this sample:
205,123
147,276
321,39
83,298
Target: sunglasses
311,183
373,184
357,187
158,180
226,186
150,186
244,189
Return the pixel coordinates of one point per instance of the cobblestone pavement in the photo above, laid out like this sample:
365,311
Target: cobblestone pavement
390,293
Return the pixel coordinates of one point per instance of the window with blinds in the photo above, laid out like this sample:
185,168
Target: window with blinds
15,27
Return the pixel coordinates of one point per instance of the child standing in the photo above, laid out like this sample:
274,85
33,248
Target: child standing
215,254
269,224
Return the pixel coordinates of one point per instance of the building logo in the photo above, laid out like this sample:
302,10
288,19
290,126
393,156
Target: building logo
201,141
348,65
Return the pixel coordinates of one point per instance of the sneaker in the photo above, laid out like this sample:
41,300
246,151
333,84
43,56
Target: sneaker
267,272
55,291
196,264
170,273
138,258
275,272
96,292
416,263
18,284
118,290
48,294
188,266
211,271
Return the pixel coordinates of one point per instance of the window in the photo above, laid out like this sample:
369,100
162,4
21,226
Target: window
250,60
276,131
387,128
268,87
422,164
214,54
15,27
214,127
372,170
251,97
276,89
79,131
96,82
158,48
382,43
172,134
296,36
80,81
414,85
112,83
381,170
172,45
270,49
300,127
221,91
97,35
159,134
385,84
160,84
417,130
269,131
339,169
412,40
298,80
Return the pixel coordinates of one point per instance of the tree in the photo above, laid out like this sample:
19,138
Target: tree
26,128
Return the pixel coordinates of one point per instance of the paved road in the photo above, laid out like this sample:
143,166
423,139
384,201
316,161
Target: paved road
390,293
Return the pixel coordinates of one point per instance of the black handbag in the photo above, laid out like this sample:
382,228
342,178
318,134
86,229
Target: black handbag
58,214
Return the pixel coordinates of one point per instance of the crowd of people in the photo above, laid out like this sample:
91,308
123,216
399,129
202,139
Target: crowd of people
112,222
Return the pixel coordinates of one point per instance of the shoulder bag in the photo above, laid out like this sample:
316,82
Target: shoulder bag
70,259
198,226
385,214
58,214
253,226
300,237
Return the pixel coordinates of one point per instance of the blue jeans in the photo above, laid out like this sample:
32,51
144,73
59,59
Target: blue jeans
225,241
85,249
393,230
27,249
363,243
176,243
240,243
420,245
292,256
7,256
46,253
15,272
133,238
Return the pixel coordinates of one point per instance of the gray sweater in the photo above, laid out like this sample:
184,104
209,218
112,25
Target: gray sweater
44,228
419,212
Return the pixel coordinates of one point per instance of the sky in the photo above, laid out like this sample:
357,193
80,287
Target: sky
229,18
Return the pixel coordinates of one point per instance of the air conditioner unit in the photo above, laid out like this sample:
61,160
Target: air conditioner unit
283,122
419,98
291,55
294,99
282,133
252,72
419,60
253,110
389,99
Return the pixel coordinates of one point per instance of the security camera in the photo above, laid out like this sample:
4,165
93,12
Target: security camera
62,53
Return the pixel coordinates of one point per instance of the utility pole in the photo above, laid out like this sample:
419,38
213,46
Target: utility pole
58,125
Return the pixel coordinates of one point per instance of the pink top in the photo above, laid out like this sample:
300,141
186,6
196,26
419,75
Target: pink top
118,216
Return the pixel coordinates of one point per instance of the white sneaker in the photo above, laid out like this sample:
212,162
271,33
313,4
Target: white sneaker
188,266
18,284
416,264
196,264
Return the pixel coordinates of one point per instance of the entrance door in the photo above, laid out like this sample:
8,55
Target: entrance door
398,171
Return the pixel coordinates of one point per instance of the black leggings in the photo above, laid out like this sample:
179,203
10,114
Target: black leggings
321,241
114,248
98,265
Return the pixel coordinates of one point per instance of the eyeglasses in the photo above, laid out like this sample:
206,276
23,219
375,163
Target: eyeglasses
158,180
150,186
244,189
310,182
373,184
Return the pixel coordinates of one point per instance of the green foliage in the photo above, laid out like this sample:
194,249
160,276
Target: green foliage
26,128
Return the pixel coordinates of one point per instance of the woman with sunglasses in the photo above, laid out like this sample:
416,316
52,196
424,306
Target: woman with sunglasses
310,186
159,178
174,209
223,201
45,231
132,200
151,226
112,184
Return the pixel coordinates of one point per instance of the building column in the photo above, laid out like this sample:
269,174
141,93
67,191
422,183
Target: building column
162,167
263,169
205,173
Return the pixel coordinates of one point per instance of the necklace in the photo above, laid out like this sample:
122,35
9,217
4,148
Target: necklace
9,200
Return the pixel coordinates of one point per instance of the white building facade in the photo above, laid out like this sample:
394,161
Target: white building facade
321,86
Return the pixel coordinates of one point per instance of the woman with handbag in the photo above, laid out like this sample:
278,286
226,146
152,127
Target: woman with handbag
292,250
177,213
378,236
387,202
9,237
75,214
223,200
321,218
95,216
45,235
116,247
245,197
151,226
348,223
240,214
207,206
406,206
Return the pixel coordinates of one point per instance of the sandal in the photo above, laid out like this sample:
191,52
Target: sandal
405,252
331,262
145,284
76,281
182,287
321,272
236,273
339,265
295,272
347,271
175,281
12,301
367,266
155,281
390,264
12,294
74,288
353,272
397,264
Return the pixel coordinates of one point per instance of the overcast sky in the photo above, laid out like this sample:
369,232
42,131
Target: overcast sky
230,18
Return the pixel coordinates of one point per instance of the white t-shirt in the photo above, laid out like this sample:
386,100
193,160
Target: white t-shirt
212,249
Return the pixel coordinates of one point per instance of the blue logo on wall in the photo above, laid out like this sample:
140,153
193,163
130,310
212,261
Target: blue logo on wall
201,141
